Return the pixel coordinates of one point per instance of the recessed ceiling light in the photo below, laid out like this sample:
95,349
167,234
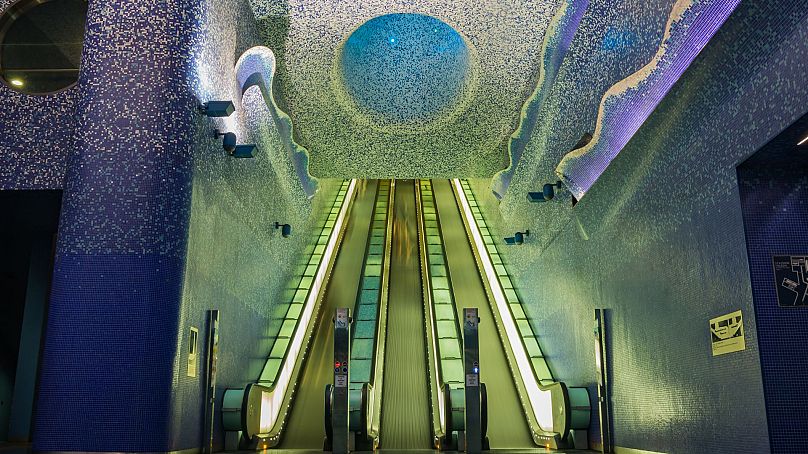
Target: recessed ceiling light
803,141
17,82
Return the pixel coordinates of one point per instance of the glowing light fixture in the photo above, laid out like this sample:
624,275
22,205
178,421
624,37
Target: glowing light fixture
272,401
540,401
17,82
803,141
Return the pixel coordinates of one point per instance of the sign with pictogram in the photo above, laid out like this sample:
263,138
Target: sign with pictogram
727,333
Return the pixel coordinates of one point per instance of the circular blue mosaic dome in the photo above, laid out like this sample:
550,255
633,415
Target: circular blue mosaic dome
405,67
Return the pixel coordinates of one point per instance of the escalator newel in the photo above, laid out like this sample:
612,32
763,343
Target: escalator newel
338,431
476,420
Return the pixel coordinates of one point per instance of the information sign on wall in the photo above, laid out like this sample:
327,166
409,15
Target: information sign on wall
192,348
791,280
727,333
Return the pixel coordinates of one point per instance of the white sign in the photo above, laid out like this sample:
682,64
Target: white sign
341,381
472,380
193,346
342,318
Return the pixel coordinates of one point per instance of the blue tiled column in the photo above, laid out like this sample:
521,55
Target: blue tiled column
112,330
774,212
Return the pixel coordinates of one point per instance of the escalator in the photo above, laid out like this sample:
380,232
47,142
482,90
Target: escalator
305,428
406,257
507,427
405,405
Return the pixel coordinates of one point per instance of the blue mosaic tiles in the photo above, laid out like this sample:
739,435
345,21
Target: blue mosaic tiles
379,56
774,200
556,44
37,133
159,225
106,373
115,304
626,105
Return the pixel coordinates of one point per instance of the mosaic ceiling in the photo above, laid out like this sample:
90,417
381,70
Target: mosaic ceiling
405,88
442,88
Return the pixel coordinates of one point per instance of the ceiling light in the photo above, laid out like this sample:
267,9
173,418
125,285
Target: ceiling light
803,141
17,82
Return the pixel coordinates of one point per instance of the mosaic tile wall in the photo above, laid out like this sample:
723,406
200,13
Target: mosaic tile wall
659,240
158,224
557,41
36,139
775,206
626,105
237,261
615,39
504,40
113,320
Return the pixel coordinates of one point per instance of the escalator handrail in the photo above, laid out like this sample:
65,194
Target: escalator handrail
270,383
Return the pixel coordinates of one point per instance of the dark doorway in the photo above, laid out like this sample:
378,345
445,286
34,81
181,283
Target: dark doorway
27,238
773,185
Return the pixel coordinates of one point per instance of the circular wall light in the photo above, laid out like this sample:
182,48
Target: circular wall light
41,43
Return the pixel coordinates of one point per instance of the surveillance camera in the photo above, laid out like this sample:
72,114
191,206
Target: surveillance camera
517,239
286,229
229,141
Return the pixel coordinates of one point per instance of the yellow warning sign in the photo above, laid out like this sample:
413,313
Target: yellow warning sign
727,333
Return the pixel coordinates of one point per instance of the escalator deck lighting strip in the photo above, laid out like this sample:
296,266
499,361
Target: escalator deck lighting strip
529,338
496,275
272,401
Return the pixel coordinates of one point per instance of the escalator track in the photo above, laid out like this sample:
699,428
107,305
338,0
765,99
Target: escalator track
406,422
